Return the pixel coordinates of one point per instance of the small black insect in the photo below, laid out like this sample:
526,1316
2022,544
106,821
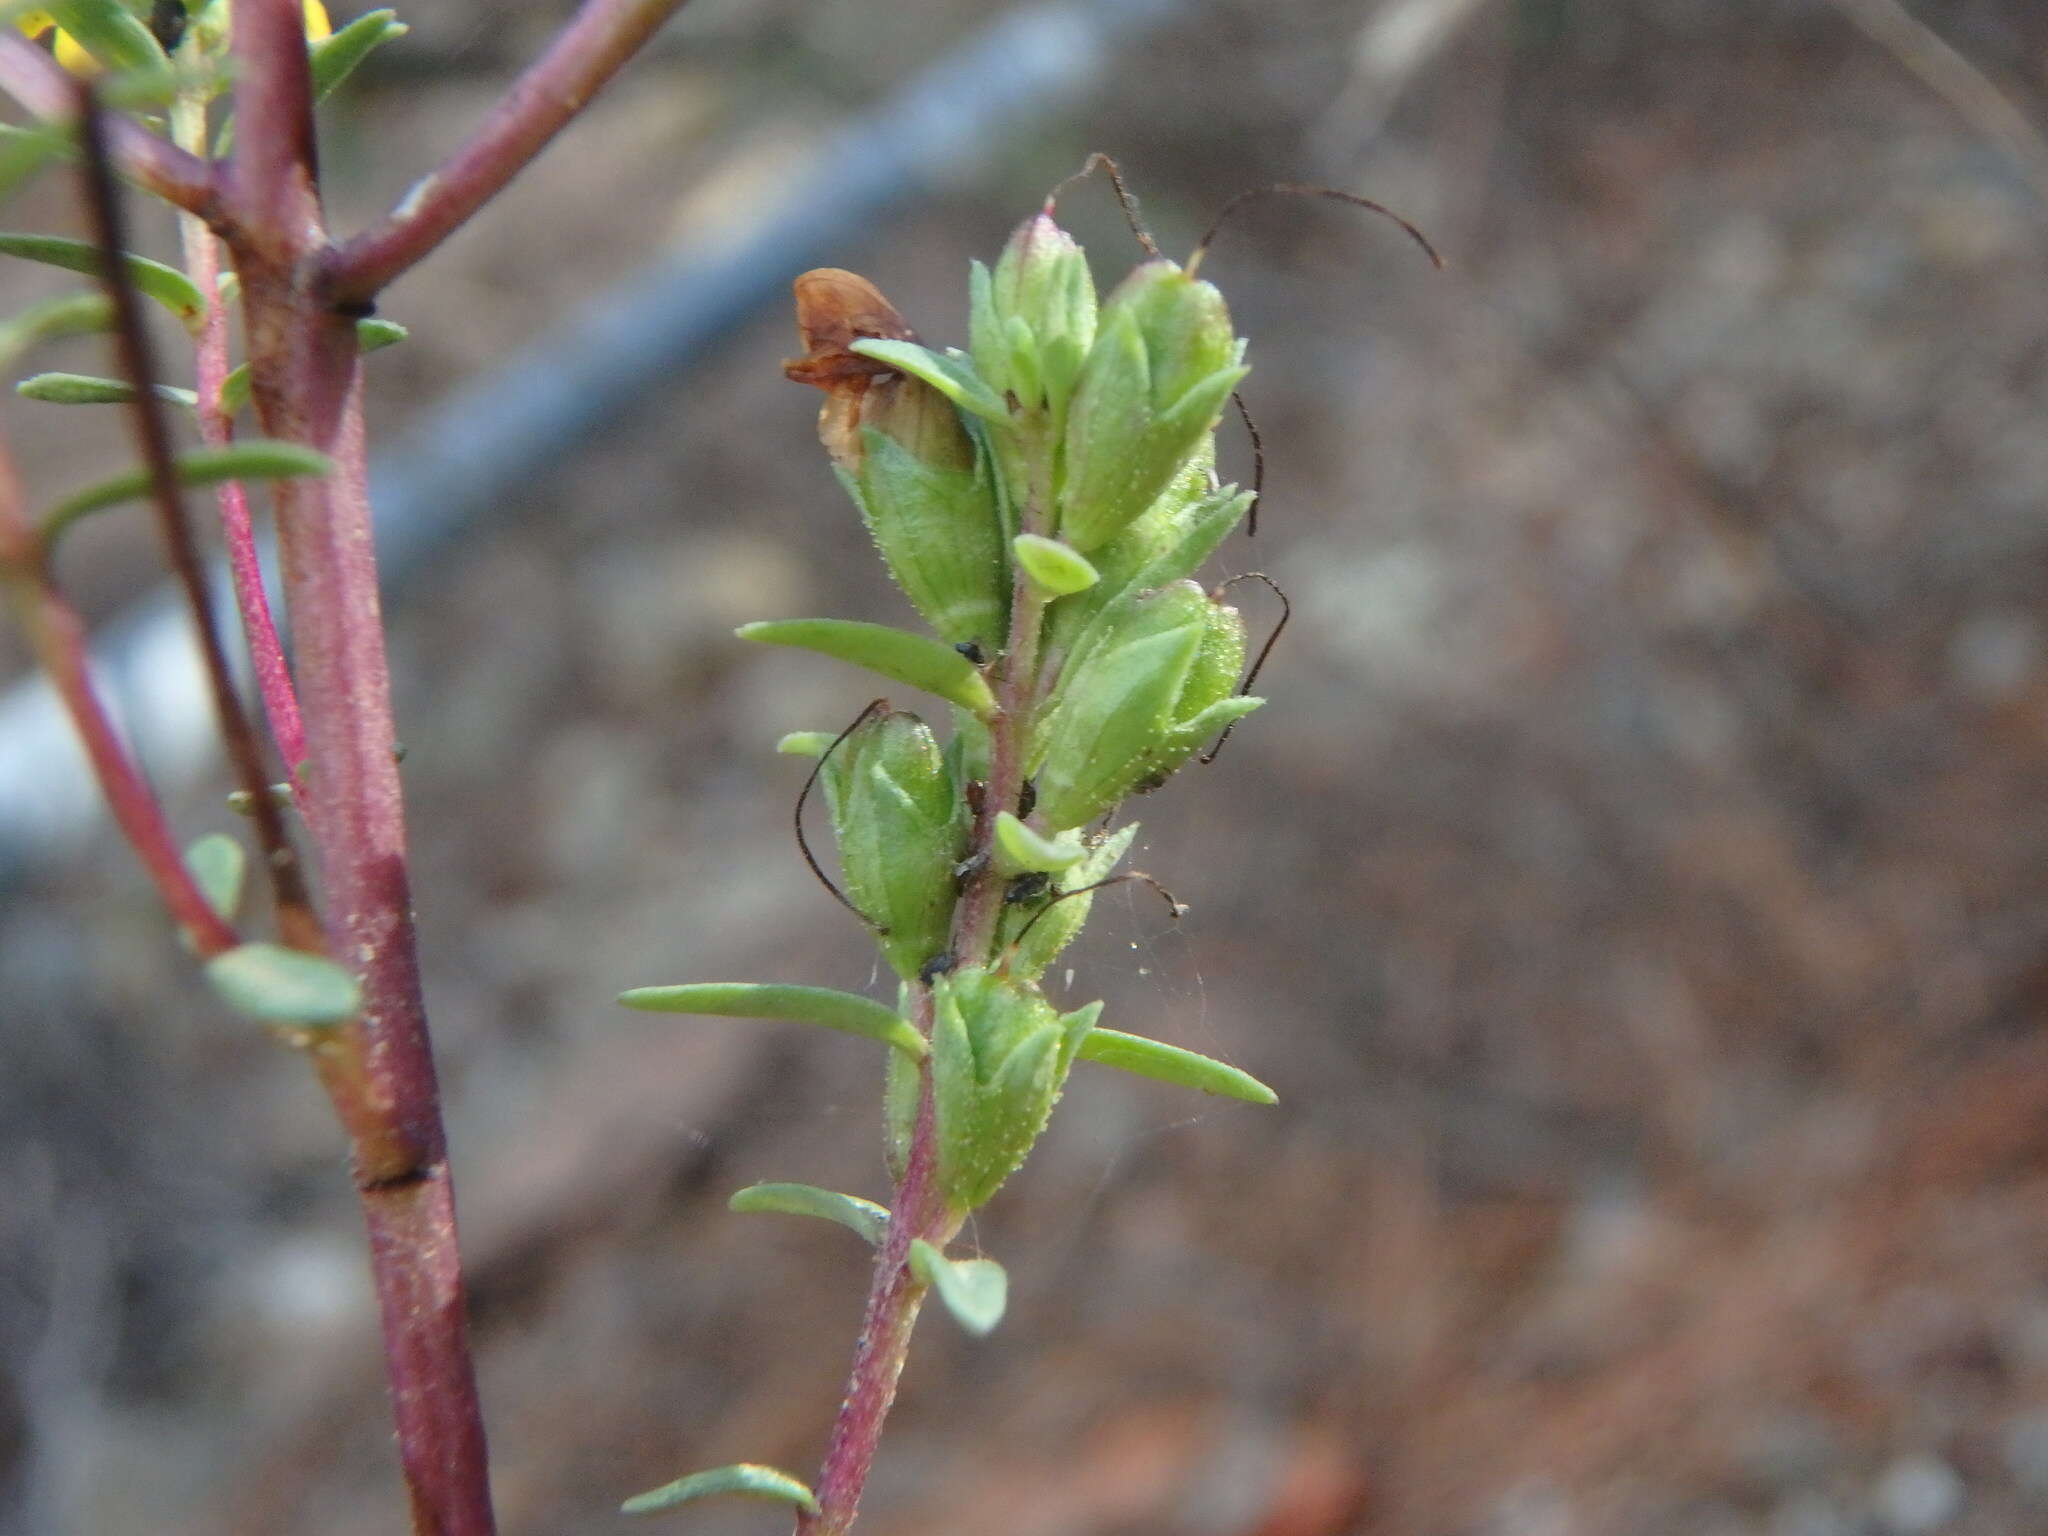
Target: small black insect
937,966
971,651
1026,887
1027,799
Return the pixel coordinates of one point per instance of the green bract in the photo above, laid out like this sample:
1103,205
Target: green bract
1163,365
926,491
1139,701
1000,1052
892,806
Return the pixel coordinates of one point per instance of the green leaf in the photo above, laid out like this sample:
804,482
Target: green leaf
284,986
975,1291
334,58
1171,1064
950,373
744,1477
234,390
1019,848
256,458
218,864
845,1011
896,654
110,33
374,335
71,314
26,150
1055,569
805,743
89,389
167,285
850,1211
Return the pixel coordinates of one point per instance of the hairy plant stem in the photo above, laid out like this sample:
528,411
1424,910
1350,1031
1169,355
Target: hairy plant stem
216,430
918,1210
306,384
979,914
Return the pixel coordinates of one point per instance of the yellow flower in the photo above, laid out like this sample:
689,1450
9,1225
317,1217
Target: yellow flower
69,52
72,55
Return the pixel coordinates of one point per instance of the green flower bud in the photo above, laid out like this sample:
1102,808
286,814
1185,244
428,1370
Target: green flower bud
1138,702
1000,1053
893,809
1032,322
1163,365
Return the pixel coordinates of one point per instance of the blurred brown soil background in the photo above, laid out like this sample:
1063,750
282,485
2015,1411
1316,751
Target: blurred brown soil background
1637,888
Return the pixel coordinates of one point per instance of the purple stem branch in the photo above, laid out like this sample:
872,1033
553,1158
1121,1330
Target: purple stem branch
34,79
245,570
59,638
296,919
552,91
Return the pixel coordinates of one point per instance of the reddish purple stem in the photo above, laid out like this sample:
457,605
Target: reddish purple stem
554,88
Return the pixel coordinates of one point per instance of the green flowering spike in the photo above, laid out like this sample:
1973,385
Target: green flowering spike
1031,323
1034,945
1000,1052
894,810
926,491
1162,367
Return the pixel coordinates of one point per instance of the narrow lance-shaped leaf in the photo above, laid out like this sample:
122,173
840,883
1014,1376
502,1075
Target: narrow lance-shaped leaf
1171,1064
850,1211
90,389
950,373
256,458
896,654
284,986
847,1012
334,58
167,285
745,1478
71,314
975,1291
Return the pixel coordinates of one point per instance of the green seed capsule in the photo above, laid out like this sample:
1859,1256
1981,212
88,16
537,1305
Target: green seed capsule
1000,1053
1163,364
893,810
1138,702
